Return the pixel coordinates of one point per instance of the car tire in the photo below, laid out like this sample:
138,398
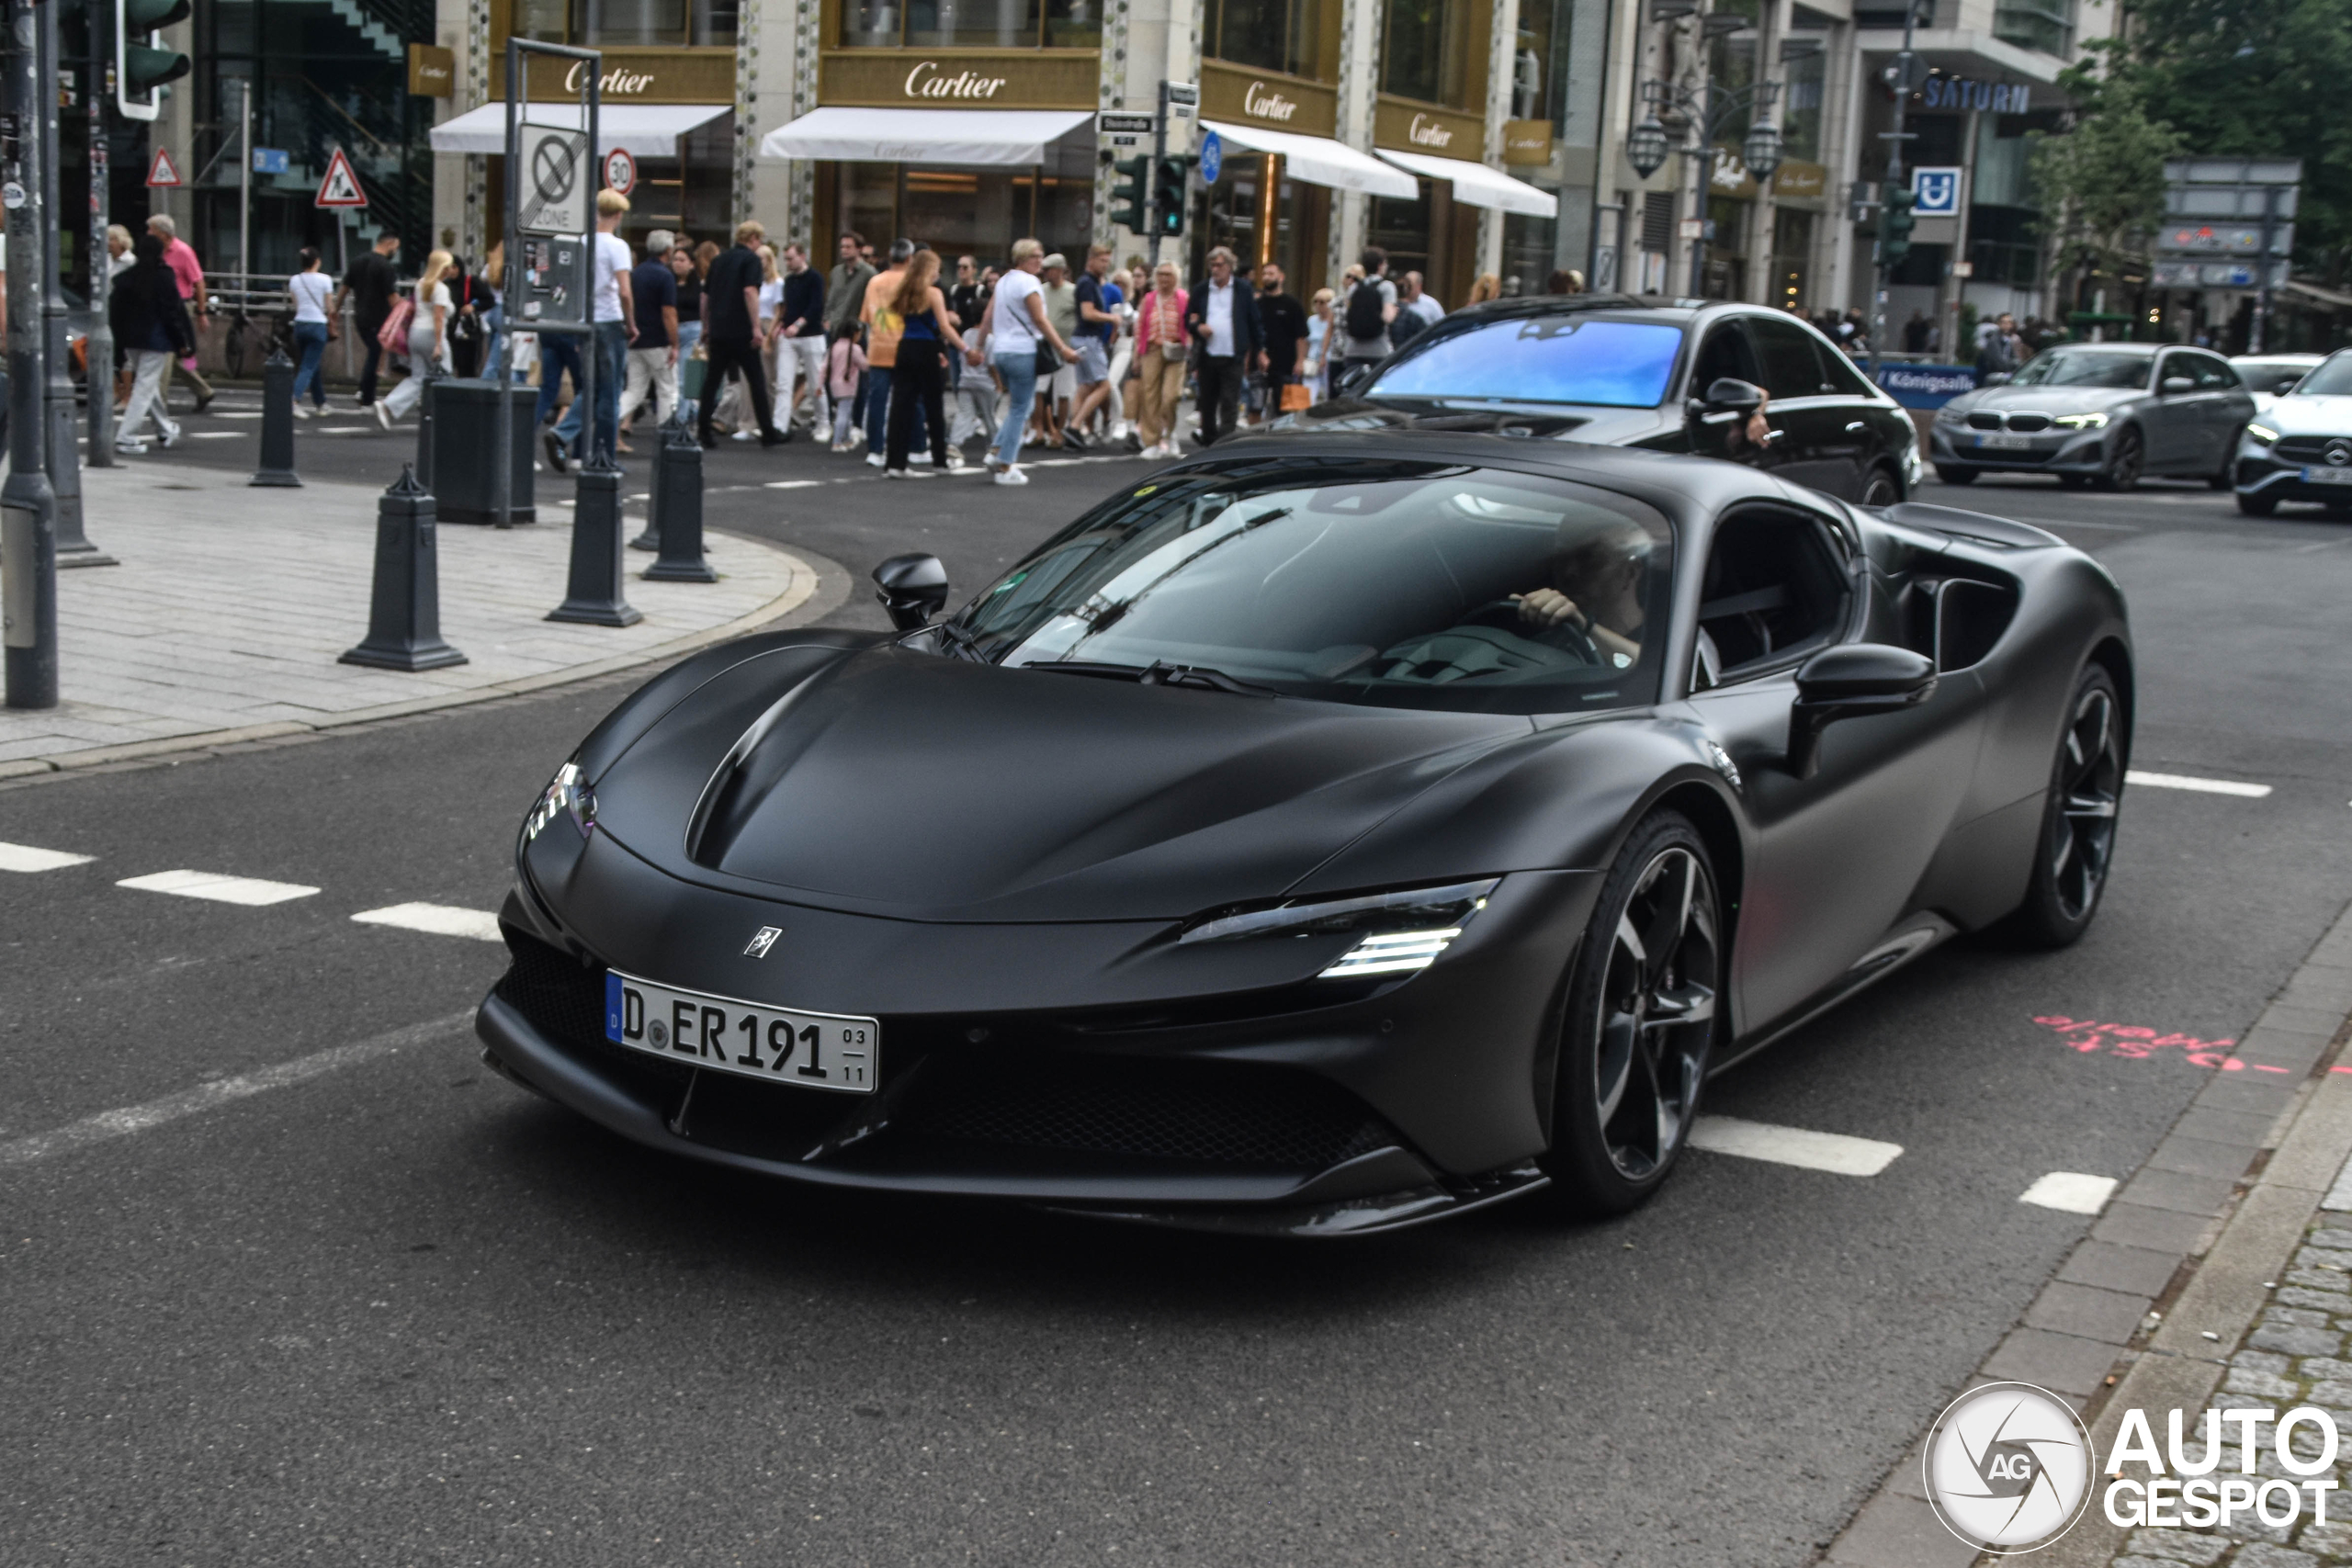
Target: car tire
1640,1023
2126,455
2258,505
1880,487
1952,476
2075,848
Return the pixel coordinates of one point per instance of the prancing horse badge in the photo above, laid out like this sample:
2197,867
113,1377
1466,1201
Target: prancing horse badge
762,942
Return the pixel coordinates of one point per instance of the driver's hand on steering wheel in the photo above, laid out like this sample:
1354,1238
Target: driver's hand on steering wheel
1548,607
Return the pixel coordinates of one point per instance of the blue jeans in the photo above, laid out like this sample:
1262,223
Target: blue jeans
1019,373
311,338
557,355
612,369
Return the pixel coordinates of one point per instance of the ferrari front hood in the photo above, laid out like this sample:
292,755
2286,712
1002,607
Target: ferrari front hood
896,783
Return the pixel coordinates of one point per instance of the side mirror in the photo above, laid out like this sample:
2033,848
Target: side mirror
914,589
1852,682
1997,378
2174,385
1729,394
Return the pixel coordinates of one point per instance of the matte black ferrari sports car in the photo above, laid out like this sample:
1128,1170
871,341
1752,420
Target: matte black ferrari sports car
1325,834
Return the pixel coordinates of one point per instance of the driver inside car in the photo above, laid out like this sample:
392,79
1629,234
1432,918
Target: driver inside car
1597,590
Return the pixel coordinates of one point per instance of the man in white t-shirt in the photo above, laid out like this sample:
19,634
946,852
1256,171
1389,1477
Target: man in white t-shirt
614,310
1418,300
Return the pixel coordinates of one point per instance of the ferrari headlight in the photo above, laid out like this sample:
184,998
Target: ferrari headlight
1400,931
2080,420
2260,436
567,792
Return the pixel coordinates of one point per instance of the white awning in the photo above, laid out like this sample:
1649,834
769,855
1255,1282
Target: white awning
962,138
1480,185
1320,160
647,130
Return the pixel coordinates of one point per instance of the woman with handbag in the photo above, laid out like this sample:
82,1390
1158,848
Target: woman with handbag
1018,337
426,318
310,289
919,371
1160,351
151,328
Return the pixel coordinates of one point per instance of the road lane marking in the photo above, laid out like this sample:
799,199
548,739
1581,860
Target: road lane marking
439,920
121,1122
24,857
2070,1191
212,885
2201,786
1832,1151
214,435
792,484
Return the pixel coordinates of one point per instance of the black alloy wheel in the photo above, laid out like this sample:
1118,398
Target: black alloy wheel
2261,504
2125,458
2077,844
1641,1022
1952,475
1879,488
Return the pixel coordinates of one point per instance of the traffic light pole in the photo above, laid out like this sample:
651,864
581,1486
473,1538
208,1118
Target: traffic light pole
64,454
98,347
27,507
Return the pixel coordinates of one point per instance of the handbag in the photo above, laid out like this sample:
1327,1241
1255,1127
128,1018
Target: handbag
392,336
1048,362
1297,396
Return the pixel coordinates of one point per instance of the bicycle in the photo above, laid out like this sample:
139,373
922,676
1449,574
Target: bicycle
279,337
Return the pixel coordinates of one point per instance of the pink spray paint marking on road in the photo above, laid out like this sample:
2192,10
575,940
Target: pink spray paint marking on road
2136,1042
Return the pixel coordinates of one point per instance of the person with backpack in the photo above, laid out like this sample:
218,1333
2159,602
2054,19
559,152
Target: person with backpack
1371,305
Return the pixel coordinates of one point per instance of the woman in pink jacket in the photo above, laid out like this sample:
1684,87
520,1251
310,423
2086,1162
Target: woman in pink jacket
1161,349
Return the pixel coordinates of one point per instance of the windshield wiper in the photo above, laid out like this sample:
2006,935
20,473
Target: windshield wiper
962,643
1199,677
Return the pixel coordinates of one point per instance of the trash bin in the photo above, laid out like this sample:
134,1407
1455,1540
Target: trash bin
465,438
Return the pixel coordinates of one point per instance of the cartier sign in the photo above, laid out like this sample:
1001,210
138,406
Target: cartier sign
631,76
1264,97
1262,102
962,78
928,81
1418,128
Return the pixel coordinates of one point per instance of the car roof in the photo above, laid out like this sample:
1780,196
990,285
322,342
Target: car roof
2278,358
2137,350
1677,309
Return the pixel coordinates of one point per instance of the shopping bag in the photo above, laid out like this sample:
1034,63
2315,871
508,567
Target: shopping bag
1296,397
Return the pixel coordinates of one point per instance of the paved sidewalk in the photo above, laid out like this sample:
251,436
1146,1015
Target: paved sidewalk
224,621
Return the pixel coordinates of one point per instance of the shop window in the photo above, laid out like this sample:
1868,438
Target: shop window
1532,90
1272,35
1792,256
1732,56
624,23
1000,24
1801,109
1425,50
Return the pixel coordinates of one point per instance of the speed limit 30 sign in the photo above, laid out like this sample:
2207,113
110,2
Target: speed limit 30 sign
620,170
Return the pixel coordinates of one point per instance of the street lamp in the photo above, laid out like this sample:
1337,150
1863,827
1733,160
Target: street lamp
1761,151
1647,148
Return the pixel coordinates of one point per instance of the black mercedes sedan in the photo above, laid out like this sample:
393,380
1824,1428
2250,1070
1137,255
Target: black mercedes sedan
1317,837
1755,385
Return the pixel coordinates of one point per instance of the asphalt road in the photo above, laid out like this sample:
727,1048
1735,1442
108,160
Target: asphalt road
398,1311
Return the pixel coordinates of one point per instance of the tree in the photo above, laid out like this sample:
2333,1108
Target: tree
2101,186
2243,78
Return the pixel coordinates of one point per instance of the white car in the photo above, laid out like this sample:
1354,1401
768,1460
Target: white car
2267,375
2301,448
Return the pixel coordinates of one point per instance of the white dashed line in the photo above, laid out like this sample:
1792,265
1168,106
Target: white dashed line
221,889
792,484
2202,786
129,1118
214,435
438,919
24,857
1832,1151
2070,1191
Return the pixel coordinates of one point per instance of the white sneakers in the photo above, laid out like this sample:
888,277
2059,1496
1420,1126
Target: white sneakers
1009,476
170,435
874,459
383,414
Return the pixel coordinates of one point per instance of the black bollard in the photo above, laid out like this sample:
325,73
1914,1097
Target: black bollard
405,610
593,594
652,538
677,501
277,423
425,402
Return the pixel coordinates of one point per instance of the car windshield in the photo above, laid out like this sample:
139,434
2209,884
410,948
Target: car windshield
2271,375
2085,367
1392,584
1543,359
2332,379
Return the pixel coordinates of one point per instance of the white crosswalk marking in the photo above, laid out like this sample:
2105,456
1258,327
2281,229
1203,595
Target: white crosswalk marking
2201,786
24,857
221,889
1832,1151
438,919
2072,1191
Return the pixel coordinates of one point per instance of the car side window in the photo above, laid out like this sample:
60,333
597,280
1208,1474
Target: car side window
2167,367
1772,592
1725,351
1839,372
1791,369
2214,374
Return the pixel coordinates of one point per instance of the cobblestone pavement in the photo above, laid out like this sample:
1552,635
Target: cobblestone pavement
231,604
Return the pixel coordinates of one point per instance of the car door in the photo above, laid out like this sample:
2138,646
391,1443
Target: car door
1725,351
2178,434
2227,405
1839,854
1883,436
1817,449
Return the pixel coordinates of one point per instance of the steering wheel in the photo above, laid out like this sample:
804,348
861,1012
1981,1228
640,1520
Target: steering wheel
1564,636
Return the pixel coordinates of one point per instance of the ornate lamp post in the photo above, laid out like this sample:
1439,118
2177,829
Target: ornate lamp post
1705,114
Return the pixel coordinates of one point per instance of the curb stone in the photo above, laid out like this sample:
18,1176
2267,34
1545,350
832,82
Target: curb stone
2199,1261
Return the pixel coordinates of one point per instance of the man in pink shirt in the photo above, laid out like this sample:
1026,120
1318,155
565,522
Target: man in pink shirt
181,258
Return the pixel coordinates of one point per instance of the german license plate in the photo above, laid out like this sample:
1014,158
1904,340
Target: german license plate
813,1050
2004,439
2327,476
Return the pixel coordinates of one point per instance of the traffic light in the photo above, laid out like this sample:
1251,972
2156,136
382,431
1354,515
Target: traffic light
1171,188
1895,225
141,63
1129,209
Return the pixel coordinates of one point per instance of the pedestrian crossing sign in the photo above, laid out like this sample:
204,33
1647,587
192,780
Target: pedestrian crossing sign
341,186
